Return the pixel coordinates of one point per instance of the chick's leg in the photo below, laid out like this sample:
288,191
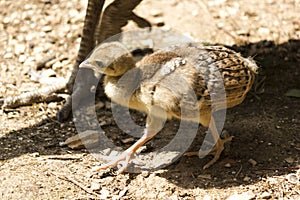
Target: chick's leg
218,147
153,126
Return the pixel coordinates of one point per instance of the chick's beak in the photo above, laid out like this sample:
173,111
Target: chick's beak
87,65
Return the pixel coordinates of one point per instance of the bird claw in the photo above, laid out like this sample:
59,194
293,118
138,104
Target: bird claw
216,151
219,147
124,160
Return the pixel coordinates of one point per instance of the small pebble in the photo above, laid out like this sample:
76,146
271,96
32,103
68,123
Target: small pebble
8,55
252,162
35,154
52,105
246,178
204,176
104,193
145,174
20,49
263,31
272,181
289,160
47,28
207,197
173,197
29,38
293,178
48,73
95,186
127,140
6,20
61,144
228,165
22,58
244,196
265,195
57,65
220,24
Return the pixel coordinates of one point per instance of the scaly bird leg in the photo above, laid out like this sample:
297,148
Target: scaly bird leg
127,155
153,126
217,149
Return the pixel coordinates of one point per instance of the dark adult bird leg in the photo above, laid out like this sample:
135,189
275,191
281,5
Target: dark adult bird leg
85,77
114,17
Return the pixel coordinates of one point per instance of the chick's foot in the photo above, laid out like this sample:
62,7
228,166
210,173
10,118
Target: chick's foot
215,151
124,160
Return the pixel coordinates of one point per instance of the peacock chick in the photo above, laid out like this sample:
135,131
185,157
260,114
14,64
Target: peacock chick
189,78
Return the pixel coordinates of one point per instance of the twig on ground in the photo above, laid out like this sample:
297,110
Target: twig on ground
41,95
64,157
41,64
236,175
71,180
282,168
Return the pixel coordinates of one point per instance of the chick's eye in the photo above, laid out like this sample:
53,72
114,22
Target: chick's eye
99,63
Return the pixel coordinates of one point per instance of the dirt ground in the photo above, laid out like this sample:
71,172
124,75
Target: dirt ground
264,157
